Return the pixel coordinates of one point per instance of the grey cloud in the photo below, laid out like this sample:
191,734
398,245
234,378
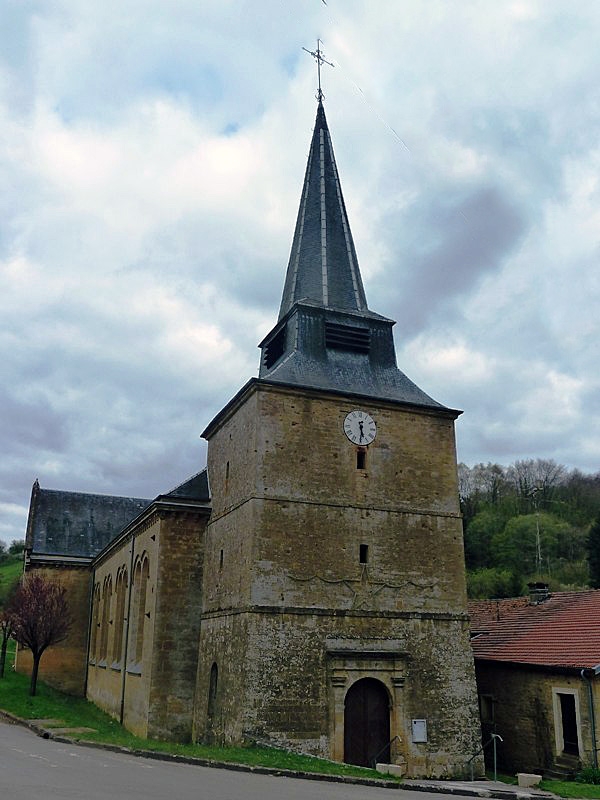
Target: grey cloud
100,396
453,240
521,142
216,249
32,423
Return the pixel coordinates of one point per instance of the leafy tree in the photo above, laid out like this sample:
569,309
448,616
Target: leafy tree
502,508
580,498
492,582
515,547
17,546
41,617
3,553
593,553
570,576
478,536
481,487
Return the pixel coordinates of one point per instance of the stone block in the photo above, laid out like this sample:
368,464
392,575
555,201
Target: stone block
528,779
397,770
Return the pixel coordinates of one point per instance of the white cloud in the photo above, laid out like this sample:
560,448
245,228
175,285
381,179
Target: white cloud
153,159
449,363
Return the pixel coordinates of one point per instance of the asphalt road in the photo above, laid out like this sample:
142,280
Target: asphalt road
32,767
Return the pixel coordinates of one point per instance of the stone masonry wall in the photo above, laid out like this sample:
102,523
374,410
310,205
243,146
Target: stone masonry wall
524,713
222,642
288,574
176,626
154,695
128,681
282,689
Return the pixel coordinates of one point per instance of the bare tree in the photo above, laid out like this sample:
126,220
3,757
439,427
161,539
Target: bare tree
490,481
6,630
41,617
7,625
540,476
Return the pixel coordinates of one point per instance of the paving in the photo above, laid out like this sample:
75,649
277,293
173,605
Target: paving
54,729
481,788
58,728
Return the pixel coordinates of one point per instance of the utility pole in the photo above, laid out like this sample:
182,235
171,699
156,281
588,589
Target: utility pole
538,540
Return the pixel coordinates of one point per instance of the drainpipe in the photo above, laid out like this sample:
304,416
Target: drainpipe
595,671
126,632
89,629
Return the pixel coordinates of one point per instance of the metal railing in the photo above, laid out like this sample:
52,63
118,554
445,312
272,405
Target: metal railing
373,761
493,740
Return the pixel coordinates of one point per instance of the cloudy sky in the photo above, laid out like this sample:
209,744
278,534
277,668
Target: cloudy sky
151,161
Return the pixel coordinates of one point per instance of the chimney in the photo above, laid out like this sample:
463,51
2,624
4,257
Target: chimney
538,593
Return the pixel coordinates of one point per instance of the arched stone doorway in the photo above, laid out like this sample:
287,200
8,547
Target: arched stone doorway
366,723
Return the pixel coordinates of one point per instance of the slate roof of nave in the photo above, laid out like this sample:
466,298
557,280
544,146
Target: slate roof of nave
194,488
562,631
78,524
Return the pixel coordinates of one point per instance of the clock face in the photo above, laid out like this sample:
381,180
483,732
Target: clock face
360,427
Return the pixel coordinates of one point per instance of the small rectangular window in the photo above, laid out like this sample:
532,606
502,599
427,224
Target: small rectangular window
364,553
221,560
486,707
361,458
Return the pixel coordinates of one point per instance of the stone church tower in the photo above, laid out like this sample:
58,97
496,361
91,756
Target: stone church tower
334,605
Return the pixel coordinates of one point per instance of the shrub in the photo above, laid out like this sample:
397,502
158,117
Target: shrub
589,775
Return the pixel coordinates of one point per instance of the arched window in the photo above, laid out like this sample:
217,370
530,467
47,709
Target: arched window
95,623
133,614
121,596
138,613
106,617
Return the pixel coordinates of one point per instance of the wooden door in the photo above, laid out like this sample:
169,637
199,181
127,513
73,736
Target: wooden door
367,723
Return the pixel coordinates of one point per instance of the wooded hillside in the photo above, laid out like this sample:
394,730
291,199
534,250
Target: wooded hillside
530,521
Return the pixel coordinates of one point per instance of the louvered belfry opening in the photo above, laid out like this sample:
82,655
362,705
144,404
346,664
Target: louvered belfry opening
347,337
275,348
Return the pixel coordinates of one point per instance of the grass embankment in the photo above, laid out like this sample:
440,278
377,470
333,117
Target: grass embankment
10,572
572,789
76,712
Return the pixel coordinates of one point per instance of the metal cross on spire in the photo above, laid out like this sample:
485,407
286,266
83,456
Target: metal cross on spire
318,57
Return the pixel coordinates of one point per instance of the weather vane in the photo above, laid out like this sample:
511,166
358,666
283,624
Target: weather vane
318,57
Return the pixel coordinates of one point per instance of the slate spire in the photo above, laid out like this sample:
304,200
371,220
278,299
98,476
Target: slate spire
323,267
326,338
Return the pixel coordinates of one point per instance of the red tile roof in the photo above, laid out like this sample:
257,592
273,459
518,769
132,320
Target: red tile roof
561,631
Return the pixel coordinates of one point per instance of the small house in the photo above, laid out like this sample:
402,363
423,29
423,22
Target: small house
537,661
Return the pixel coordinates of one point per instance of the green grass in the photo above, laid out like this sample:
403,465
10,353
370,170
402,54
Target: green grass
10,572
560,788
571,789
511,779
76,713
